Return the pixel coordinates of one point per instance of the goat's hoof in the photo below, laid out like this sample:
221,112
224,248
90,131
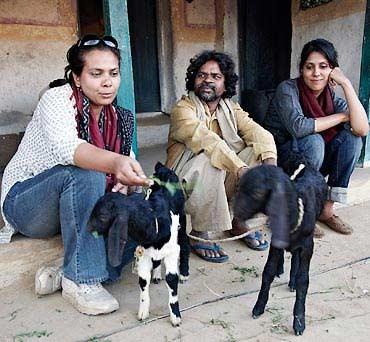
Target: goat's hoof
142,315
256,312
291,286
175,321
156,280
183,278
299,325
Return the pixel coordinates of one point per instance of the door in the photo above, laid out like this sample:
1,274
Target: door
143,39
265,35
91,17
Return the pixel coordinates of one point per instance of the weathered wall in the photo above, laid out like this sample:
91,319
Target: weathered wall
193,30
341,22
199,26
34,38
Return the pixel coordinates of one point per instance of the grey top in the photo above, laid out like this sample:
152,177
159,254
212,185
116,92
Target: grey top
285,118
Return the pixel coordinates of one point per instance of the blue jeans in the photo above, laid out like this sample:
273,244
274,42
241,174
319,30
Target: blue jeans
61,200
335,159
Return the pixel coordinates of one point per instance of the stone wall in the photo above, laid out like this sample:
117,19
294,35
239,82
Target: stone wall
341,22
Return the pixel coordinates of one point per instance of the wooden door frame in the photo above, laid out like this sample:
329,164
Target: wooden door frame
364,89
165,55
116,24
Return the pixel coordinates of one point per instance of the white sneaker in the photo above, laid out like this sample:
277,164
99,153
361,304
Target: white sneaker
89,299
48,279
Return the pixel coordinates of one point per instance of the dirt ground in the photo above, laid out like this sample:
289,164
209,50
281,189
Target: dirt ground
217,300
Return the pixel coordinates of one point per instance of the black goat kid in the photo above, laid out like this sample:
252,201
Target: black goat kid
292,208
158,224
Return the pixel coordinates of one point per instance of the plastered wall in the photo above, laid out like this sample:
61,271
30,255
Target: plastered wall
341,22
34,38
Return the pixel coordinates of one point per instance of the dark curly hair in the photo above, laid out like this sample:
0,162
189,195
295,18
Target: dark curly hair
227,67
322,46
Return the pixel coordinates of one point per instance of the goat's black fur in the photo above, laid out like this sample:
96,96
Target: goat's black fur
268,189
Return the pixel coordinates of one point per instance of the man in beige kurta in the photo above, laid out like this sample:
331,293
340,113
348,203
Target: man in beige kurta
212,142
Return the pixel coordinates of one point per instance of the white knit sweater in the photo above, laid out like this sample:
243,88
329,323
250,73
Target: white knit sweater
50,139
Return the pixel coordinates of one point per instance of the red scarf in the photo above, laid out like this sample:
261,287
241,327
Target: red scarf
317,107
89,130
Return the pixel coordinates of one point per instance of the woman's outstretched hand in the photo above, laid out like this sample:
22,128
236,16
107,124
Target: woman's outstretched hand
129,172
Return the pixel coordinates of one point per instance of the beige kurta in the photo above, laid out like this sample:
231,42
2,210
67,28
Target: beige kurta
204,149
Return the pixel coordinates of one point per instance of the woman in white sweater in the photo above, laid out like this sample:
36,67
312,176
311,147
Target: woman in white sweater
76,147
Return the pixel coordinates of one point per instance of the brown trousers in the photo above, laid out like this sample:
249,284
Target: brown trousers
208,191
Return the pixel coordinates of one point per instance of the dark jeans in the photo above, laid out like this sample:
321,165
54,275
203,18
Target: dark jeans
61,200
336,159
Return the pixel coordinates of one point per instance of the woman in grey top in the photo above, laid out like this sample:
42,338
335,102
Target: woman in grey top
306,115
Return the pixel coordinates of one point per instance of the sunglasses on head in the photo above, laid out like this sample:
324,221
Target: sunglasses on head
91,40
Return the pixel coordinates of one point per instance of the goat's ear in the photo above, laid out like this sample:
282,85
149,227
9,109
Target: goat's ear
117,239
277,211
158,166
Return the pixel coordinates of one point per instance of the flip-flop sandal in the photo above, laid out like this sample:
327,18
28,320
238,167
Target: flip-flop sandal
250,241
195,248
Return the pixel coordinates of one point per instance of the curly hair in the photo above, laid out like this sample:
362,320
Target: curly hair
227,67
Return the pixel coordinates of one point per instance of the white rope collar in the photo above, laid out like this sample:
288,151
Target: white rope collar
300,202
300,215
296,172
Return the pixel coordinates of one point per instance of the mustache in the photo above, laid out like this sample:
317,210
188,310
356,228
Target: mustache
208,85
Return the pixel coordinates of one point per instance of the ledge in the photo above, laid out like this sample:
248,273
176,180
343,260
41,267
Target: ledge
13,122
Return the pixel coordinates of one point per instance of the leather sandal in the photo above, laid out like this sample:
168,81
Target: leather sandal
336,224
318,232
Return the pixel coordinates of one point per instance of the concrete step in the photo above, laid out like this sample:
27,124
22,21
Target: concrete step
149,156
20,259
152,129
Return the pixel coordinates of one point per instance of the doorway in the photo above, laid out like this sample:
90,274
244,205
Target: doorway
265,35
143,39
91,18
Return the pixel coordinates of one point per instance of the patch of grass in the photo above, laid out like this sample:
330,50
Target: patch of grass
13,315
238,280
277,326
251,271
324,318
225,325
23,336
97,339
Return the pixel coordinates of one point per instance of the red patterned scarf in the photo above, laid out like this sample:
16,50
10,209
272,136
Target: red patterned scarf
103,133
317,107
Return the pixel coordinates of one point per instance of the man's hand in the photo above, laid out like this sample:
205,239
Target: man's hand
242,171
270,161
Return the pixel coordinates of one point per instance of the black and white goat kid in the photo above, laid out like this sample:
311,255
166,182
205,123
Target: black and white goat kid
157,223
292,207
